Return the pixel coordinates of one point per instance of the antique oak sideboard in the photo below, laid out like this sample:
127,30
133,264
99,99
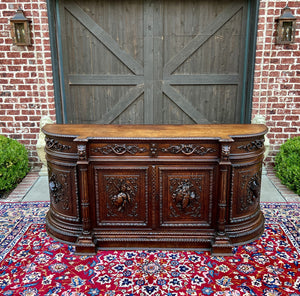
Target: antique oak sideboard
155,186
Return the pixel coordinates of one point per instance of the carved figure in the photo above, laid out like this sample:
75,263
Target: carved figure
183,195
123,198
54,187
252,192
81,149
254,187
58,186
225,152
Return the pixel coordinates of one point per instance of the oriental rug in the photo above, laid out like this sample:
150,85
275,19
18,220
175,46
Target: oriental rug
33,264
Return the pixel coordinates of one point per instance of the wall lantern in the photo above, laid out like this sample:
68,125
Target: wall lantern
286,27
20,30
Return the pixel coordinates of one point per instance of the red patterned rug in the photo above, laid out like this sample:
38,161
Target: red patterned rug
32,263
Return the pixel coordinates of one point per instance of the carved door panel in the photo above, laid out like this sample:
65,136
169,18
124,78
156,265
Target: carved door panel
63,191
245,198
121,196
186,196
162,62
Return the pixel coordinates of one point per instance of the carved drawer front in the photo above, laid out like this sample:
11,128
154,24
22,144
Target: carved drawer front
63,192
60,145
246,184
253,145
186,196
121,196
189,149
118,149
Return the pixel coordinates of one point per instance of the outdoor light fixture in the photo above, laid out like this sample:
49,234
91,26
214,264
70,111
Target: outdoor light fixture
286,27
20,30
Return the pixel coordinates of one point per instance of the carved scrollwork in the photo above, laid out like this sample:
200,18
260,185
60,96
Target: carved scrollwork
120,149
58,186
188,149
257,144
121,195
55,145
185,195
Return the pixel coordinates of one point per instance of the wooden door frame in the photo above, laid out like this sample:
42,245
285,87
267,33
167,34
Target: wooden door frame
249,60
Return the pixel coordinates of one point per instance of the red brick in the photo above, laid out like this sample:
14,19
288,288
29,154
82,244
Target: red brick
22,74
290,130
13,124
28,124
29,136
283,123
296,111
21,118
15,136
24,87
28,112
34,118
30,81
14,68
284,53
275,130
13,112
287,61
286,86
14,54
6,118
294,80
6,61
25,100
292,117
25,142
282,67
7,106
16,81
35,130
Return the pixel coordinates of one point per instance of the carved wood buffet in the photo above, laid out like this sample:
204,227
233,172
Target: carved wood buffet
155,186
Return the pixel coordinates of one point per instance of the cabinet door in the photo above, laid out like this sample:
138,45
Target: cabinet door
186,196
121,196
63,191
246,184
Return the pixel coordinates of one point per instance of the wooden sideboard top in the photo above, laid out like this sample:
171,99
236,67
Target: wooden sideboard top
98,131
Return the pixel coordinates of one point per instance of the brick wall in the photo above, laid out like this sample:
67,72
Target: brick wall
277,76
26,84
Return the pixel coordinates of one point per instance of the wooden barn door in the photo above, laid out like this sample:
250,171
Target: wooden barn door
143,61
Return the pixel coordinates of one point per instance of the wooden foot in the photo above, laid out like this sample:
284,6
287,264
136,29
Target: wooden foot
221,246
85,246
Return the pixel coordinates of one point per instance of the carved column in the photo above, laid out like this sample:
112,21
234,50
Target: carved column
85,242
221,244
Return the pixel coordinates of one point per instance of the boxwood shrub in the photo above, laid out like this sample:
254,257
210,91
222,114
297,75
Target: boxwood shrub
13,163
287,164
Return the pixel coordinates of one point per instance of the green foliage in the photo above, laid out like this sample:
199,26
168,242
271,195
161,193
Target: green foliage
287,164
13,163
